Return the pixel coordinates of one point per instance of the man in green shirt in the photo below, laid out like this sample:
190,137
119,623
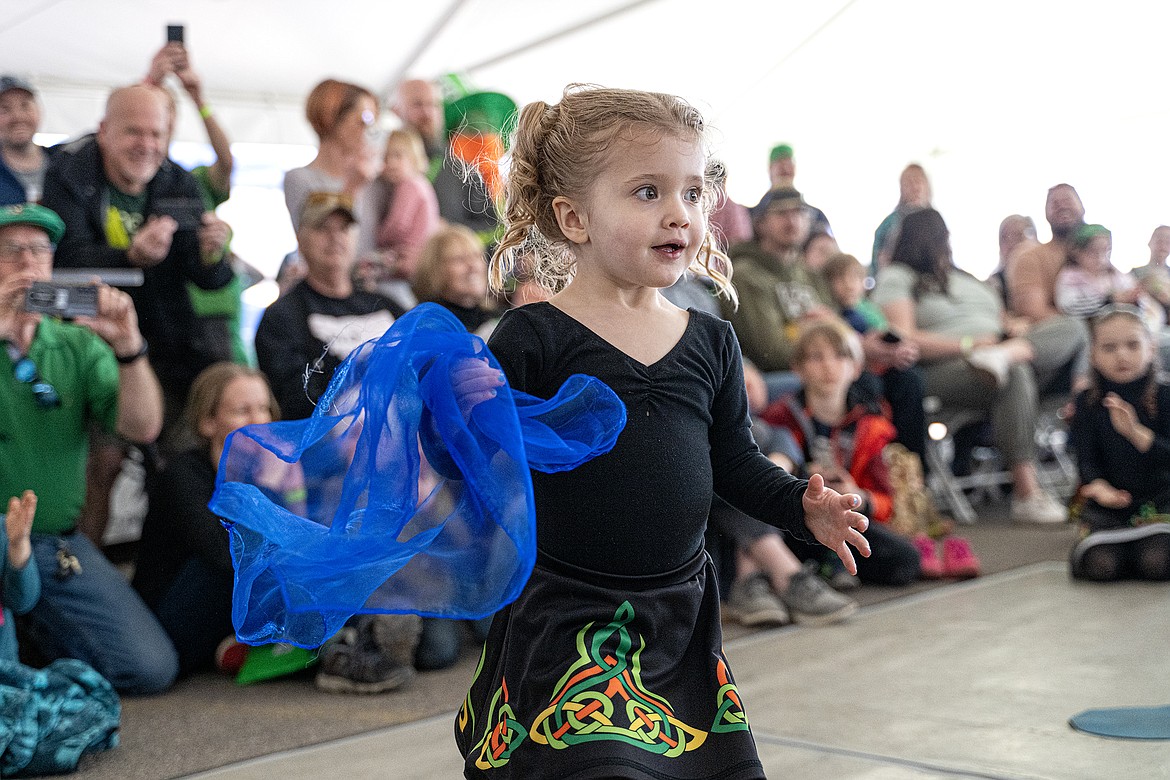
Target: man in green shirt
56,378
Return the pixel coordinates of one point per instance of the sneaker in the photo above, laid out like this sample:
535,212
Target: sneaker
351,662
230,655
753,603
958,559
1039,508
993,362
833,572
396,635
843,582
812,602
932,566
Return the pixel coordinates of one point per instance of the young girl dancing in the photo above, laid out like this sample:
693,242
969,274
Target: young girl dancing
610,662
1121,435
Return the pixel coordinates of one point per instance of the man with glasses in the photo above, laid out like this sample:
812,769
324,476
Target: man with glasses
56,379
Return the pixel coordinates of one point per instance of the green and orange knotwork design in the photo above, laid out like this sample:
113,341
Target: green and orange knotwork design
601,697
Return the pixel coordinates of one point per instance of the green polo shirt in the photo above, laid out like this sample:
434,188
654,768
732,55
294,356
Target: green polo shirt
45,450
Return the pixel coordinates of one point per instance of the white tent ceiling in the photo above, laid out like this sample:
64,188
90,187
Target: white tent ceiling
998,99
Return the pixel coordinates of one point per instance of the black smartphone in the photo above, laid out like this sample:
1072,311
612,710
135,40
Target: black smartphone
891,338
174,33
62,299
188,212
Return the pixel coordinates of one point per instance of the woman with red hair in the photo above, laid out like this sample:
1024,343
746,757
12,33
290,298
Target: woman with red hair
345,118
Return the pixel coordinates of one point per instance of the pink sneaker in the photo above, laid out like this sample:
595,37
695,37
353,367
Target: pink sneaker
932,567
958,559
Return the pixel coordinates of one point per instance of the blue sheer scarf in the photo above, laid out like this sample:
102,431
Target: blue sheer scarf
325,515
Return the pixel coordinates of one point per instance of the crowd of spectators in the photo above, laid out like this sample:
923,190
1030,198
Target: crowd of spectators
841,355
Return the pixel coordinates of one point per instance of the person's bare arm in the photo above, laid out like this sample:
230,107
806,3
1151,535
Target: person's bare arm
931,346
221,170
140,404
1030,295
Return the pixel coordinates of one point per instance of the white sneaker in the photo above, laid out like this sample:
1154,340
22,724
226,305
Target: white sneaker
1039,508
992,362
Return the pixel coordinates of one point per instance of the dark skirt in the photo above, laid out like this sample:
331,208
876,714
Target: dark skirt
590,675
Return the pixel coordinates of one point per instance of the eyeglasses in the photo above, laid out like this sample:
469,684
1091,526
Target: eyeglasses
25,371
10,252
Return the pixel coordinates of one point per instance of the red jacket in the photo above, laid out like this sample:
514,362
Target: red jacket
856,445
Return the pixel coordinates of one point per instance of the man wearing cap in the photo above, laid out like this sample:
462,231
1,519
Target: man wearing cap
776,289
1031,270
125,205
462,199
782,173
22,162
56,380
778,293
301,340
306,333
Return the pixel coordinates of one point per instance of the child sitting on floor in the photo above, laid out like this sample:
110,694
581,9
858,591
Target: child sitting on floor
1121,436
846,438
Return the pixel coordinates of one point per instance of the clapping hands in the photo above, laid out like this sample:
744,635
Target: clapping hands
1124,419
18,523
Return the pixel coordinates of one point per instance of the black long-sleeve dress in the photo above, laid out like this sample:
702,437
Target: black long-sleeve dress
614,649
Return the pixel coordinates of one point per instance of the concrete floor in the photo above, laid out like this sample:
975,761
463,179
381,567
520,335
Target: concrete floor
972,680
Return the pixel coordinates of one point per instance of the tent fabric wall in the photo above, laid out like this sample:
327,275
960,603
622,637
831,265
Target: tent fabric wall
998,100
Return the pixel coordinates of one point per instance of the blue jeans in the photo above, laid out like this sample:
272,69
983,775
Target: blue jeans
96,617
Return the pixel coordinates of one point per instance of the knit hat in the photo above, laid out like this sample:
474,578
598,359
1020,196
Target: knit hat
1086,233
780,152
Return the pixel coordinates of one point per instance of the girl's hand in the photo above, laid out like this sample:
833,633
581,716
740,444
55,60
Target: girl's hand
1106,495
18,523
1123,417
832,519
474,381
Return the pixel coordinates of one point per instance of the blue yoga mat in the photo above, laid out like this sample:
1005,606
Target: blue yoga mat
1125,722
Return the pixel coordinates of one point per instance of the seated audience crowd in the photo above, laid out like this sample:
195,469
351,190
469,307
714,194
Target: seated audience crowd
840,359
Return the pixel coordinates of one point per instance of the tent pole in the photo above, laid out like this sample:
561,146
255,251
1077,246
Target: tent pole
423,44
605,17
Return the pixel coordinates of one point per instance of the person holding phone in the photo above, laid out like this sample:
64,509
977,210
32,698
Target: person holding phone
108,189
57,380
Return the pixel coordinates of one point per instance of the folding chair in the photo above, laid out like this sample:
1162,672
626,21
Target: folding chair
949,490
989,477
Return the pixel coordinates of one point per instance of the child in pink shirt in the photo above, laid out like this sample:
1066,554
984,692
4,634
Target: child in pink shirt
412,214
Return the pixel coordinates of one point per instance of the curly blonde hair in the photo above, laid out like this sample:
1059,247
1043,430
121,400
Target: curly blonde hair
555,151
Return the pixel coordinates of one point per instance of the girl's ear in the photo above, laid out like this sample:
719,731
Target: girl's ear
571,220
206,428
